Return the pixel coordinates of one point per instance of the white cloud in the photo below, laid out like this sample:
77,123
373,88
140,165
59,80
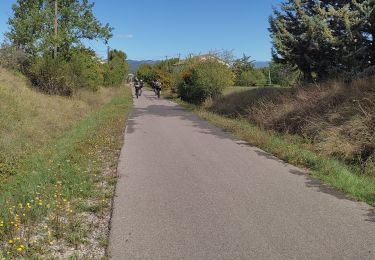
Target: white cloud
125,36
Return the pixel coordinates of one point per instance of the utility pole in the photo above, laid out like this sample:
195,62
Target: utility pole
108,53
269,76
56,25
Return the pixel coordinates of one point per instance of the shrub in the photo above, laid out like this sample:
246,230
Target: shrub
251,78
166,79
52,76
86,71
283,75
146,73
116,70
63,77
203,80
13,58
337,118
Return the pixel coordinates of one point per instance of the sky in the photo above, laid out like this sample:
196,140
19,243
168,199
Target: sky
156,29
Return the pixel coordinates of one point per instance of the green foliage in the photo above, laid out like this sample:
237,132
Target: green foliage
167,65
282,75
203,80
32,44
86,70
162,71
55,76
242,68
251,78
66,169
146,73
52,76
324,38
32,27
116,70
166,79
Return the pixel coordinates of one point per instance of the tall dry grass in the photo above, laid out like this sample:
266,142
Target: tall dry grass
337,118
29,119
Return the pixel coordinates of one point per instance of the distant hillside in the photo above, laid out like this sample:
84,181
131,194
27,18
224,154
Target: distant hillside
134,64
261,64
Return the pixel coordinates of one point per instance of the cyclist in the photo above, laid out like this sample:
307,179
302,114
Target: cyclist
137,86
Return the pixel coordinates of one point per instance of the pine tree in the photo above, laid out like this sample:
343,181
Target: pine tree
366,10
324,38
301,37
346,23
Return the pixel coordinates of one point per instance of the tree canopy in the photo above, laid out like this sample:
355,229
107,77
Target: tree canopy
32,26
324,38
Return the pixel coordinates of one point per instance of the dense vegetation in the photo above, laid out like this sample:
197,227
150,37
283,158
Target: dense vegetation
55,60
325,39
55,156
338,119
198,79
61,129
201,80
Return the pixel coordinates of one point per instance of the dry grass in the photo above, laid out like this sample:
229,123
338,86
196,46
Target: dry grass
30,119
56,154
338,119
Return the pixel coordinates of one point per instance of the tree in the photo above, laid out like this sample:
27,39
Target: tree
87,69
242,69
117,68
167,65
282,74
300,37
146,73
226,56
254,77
204,79
32,26
366,12
347,19
323,38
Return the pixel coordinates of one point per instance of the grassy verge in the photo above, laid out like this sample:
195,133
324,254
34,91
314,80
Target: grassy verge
294,150
57,202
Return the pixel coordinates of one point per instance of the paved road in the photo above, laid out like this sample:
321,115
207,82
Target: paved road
189,191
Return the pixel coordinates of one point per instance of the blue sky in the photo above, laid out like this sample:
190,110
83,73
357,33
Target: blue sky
153,29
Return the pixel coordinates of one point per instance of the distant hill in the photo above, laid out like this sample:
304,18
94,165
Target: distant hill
134,64
261,64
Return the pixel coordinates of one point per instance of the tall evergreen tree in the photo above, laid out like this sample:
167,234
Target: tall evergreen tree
324,38
366,9
301,37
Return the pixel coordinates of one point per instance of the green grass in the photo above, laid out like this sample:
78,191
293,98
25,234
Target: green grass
295,150
30,119
48,185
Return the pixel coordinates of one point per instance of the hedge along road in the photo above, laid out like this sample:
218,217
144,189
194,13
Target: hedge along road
187,190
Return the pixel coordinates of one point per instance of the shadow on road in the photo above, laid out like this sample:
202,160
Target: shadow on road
173,110
371,215
167,109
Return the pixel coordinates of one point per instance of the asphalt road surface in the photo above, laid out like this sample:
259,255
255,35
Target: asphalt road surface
187,190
